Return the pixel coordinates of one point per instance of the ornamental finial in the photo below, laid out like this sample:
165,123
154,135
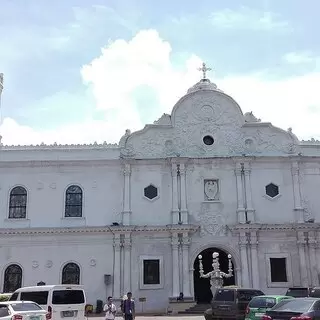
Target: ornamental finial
204,70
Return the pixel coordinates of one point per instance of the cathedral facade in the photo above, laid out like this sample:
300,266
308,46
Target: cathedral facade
135,216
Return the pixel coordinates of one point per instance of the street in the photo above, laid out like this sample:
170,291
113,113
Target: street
159,317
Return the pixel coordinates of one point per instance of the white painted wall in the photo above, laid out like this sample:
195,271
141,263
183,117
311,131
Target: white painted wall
61,249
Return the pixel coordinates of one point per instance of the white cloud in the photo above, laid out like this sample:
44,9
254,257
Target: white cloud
125,66
117,75
115,78
291,102
299,57
247,18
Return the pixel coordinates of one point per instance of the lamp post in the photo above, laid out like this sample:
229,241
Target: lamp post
216,275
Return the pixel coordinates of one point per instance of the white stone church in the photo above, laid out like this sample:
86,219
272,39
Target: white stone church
134,216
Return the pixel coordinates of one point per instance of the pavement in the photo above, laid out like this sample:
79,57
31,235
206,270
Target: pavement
184,317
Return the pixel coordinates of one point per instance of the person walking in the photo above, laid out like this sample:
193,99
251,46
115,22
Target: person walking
110,309
128,308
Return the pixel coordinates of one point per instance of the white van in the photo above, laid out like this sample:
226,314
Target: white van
61,301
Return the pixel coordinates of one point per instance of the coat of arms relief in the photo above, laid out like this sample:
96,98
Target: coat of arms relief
211,190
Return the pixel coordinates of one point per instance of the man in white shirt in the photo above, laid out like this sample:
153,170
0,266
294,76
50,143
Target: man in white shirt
110,309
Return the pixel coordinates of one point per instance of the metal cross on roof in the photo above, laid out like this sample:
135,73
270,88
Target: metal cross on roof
204,70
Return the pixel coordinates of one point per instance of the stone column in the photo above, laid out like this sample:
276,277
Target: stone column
254,260
185,263
127,263
175,208
317,235
295,171
243,244
183,193
116,267
126,213
175,265
312,243
302,256
248,192
239,184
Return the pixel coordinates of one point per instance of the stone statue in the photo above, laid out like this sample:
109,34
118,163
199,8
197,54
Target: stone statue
216,275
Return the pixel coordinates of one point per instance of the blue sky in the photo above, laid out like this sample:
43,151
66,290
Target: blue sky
84,71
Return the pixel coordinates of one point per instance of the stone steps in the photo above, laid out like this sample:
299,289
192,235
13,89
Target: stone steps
196,309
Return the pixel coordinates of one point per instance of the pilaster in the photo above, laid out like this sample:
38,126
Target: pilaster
175,204
175,265
301,243
298,208
254,259
183,193
126,212
243,245
185,242
312,244
127,263
117,267
240,198
248,193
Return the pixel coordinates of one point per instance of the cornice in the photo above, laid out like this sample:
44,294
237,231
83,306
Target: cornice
56,146
275,227
98,230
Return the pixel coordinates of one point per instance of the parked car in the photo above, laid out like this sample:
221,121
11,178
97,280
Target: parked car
61,301
21,310
5,296
295,309
258,306
231,303
299,292
315,292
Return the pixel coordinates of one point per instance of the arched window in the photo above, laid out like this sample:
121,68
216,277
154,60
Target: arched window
12,278
18,203
71,274
73,202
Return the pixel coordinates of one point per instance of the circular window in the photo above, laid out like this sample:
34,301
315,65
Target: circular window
208,140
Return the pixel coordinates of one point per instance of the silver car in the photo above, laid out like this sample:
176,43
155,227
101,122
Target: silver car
22,310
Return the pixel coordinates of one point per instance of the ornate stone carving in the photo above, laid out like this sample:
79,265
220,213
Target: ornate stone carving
35,264
124,138
49,264
53,185
211,221
128,151
165,119
93,262
169,148
211,190
250,118
40,185
308,215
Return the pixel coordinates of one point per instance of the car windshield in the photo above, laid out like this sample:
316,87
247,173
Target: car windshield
224,295
25,306
299,292
39,297
294,305
262,302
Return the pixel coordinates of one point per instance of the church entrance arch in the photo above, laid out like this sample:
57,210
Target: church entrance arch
202,291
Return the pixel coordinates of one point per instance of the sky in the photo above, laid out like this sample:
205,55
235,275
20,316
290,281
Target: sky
81,71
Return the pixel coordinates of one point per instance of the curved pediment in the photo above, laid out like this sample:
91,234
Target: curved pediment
208,123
